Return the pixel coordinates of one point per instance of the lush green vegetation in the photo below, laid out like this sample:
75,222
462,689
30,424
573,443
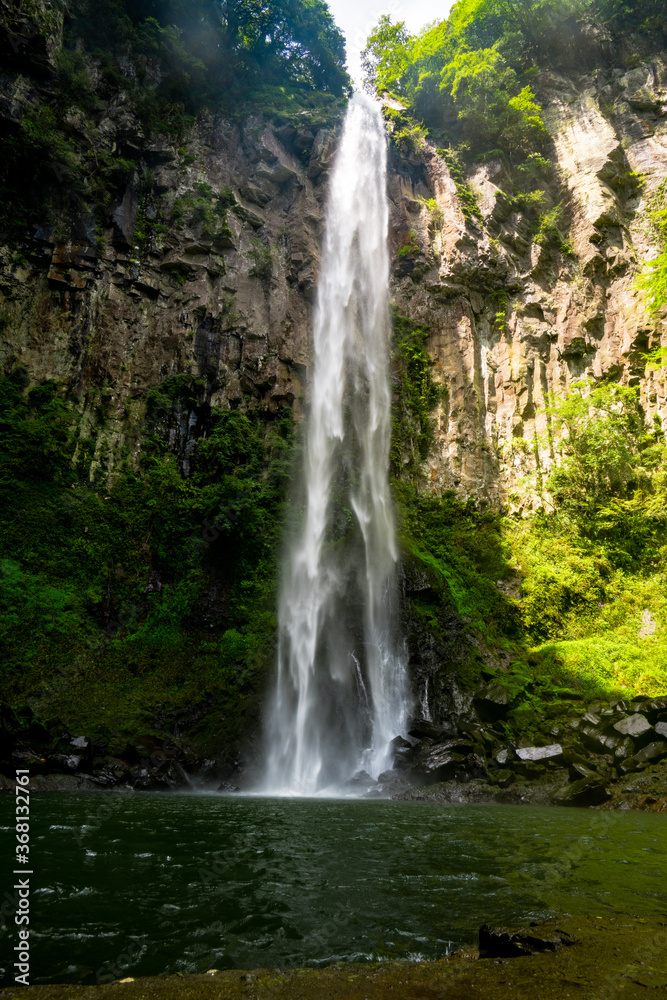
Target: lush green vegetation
653,279
128,606
214,52
575,593
468,79
415,396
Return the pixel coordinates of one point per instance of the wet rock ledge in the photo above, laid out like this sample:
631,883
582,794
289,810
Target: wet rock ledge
609,755
575,957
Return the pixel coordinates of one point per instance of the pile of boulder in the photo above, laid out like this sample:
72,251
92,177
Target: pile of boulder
589,753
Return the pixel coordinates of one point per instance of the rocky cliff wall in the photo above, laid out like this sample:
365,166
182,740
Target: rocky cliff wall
514,324
160,291
205,265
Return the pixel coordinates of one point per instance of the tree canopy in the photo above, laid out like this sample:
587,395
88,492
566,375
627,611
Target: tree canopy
211,49
468,78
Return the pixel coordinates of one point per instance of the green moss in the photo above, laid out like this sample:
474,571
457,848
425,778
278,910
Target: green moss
416,395
437,217
85,637
549,233
464,192
202,206
262,259
652,281
410,248
461,549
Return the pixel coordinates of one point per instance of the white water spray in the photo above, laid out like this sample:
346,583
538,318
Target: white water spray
341,693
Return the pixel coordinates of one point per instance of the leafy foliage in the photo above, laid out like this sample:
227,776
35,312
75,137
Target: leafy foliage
220,49
607,453
467,92
468,77
576,592
105,592
416,395
653,278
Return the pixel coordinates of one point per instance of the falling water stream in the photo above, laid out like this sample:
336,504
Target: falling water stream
341,692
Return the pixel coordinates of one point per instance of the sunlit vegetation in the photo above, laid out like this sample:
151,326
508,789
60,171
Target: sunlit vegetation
587,572
469,79
653,279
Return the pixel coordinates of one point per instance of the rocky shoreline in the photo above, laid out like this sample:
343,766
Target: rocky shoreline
574,956
608,756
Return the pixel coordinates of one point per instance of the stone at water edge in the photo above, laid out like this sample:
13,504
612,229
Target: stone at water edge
588,791
390,776
499,942
361,779
503,778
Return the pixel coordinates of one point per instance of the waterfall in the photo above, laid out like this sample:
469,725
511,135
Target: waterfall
341,692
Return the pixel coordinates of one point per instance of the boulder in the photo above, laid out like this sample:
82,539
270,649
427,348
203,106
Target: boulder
587,791
652,707
443,759
503,778
653,752
361,779
492,702
550,752
577,763
424,729
499,942
632,725
600,741
388,776
661,729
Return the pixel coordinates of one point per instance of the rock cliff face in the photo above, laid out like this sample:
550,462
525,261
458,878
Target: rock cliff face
114,313
513,323
110,316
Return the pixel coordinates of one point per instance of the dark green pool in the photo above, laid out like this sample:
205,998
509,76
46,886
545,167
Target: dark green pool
142,884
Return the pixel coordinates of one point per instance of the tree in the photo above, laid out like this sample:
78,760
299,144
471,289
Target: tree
386,57
290,40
